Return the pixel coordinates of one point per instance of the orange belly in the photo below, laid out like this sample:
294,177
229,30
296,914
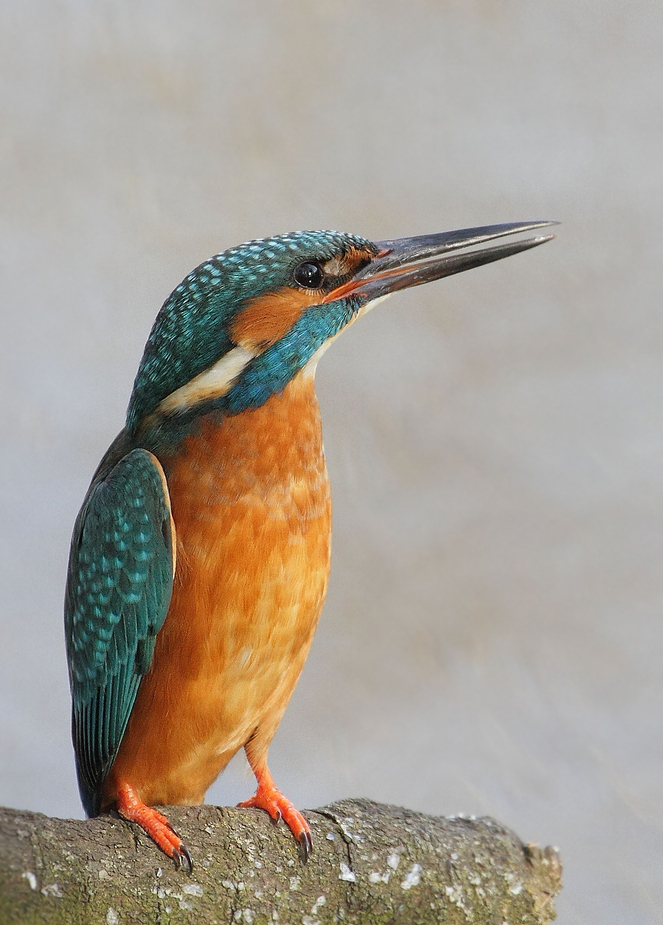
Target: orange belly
252,511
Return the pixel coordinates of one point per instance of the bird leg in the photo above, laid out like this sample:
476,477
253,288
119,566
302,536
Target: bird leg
269,798
155,825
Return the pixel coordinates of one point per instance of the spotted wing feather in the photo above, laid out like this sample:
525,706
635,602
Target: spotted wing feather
119,585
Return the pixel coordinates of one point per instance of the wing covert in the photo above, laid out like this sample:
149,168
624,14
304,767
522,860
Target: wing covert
119,585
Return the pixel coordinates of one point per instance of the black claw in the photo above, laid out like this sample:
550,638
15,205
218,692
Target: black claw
186,861
305,846
182,859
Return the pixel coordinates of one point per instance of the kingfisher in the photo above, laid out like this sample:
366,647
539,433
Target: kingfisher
199,560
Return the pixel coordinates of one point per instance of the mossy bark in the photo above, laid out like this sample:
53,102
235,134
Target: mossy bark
371,864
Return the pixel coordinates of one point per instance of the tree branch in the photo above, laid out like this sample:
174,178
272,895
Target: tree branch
371,864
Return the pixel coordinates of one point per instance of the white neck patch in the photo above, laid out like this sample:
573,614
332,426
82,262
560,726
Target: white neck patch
211,383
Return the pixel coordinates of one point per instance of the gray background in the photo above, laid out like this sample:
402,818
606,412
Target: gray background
492,639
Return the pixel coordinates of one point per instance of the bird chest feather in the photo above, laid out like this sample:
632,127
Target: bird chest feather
252,511
251,504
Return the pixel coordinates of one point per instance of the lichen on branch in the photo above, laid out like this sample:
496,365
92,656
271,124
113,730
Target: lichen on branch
371,864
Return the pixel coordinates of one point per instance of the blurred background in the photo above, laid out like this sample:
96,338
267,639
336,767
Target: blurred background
492,641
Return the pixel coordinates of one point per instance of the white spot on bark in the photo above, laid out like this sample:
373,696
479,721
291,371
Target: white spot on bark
53,889
376,877
30,877
412,878
192,889
455,894
345,828
112,918
346,873
394,860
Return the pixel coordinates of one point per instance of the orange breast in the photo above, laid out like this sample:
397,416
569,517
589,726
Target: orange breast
251,505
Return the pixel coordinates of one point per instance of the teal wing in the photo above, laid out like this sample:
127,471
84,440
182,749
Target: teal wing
119,585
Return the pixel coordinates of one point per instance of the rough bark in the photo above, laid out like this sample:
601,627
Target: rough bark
371,864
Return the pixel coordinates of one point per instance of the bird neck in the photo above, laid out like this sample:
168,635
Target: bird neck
283,434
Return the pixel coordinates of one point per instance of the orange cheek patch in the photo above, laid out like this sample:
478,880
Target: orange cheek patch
267,319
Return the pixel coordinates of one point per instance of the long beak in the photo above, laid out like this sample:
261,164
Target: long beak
407,262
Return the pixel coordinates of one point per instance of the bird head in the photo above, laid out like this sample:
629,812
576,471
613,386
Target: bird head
245,322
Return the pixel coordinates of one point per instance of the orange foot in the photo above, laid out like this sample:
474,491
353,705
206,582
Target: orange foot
273,802
155,825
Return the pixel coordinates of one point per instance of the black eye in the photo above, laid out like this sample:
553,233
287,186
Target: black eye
308,275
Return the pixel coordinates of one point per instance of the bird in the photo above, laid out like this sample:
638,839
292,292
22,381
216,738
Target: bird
200,558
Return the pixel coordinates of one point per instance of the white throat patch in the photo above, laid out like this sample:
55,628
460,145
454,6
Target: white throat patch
311,366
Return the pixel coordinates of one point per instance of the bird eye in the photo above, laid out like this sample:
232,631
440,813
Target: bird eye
308,275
